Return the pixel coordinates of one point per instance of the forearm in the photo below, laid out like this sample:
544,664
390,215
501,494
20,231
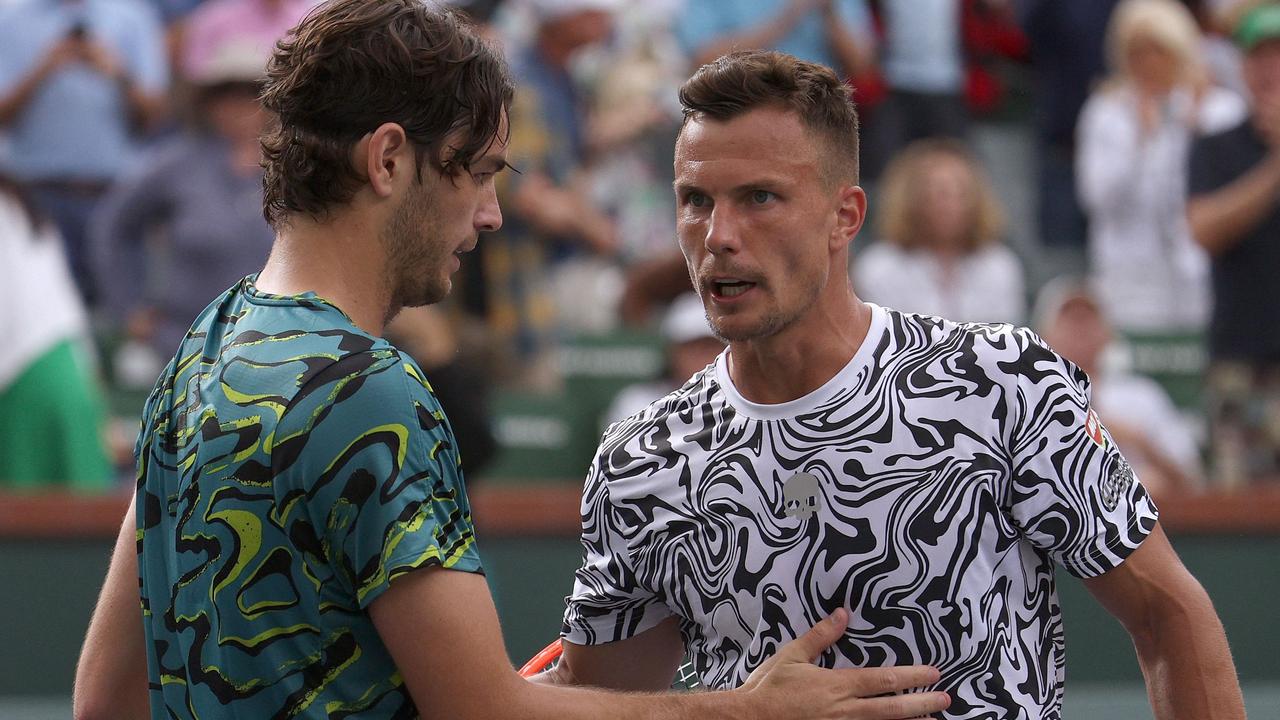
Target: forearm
762,36
13,103
1219,219
852,55
546,699
145,109
1187,664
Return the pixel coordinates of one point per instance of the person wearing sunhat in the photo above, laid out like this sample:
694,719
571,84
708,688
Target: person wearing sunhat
1234,213
690,346
188,223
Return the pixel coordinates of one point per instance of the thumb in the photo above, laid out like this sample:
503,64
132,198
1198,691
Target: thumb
810,645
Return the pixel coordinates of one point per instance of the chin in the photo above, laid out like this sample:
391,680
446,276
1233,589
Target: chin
426,295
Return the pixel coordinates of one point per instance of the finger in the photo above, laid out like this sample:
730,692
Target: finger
810,645
869,682
916,706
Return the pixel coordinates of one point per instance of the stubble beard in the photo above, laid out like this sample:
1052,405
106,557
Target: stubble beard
415,254
775,319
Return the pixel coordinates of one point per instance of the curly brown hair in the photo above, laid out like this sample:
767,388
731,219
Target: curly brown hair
739,82
352,65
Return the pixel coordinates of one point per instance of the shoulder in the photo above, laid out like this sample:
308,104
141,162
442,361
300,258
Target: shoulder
1003,348
699,390
379,377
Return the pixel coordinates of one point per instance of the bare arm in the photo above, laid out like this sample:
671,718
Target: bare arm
1221,218
15,101
1181,645
853,56
146,109
647,661
111,677
442,630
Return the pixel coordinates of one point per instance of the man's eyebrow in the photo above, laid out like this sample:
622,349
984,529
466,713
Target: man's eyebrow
763,181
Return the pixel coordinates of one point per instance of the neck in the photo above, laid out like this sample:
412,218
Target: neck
803,356
340,260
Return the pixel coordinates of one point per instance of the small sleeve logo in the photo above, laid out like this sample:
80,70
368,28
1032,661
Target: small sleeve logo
1093,428
1116,485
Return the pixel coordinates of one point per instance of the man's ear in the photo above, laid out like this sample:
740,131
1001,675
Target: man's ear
850,214
387,158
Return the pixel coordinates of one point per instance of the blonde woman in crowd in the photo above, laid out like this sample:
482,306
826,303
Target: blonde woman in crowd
940,251
1134,137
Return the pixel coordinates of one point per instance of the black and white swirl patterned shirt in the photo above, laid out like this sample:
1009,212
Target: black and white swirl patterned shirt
929,487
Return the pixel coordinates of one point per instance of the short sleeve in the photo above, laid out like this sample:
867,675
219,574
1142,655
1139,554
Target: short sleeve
609,601
372,467
1072,493
1206,173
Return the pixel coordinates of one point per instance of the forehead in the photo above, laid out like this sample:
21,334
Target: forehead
763,139
495,149
497,146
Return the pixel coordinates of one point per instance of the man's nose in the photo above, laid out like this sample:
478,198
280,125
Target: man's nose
489,214
722,231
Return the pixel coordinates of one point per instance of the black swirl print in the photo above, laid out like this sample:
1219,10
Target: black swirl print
931,487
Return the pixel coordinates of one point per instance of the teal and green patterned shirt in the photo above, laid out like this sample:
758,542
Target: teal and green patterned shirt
290,467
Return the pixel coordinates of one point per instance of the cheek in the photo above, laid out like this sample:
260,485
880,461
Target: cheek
689,236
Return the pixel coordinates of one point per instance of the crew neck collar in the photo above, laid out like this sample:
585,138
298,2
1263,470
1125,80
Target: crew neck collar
813,400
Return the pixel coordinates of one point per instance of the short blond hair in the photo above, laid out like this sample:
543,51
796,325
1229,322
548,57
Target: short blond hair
900,212
1167,22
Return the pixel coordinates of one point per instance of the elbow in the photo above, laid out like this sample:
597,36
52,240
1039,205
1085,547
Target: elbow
1203,231
1170,616
108,699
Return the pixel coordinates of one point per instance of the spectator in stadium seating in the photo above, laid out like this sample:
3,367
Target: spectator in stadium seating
187,223
1141,418
80,82
1135,133
1066,44
837,33
690,347
940,250
235,26
633,117
552,222
1234,213
51,410
922,59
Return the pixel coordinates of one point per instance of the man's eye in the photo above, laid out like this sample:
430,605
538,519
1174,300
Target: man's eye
761,197
697,200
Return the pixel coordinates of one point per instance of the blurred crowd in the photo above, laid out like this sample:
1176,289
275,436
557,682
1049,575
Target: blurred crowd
130,196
